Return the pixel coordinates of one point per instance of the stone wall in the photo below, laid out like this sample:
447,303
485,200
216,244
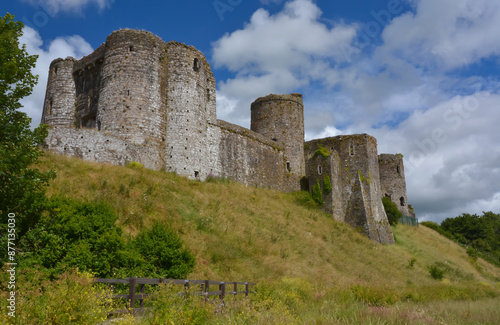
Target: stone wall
351,163
248,157
93,145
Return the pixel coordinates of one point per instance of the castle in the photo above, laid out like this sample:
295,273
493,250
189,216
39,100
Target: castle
138,98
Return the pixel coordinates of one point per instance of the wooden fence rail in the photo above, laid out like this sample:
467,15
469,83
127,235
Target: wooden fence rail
224,288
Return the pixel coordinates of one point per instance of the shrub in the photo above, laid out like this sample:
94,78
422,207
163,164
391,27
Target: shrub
70,299
75,234
436,271
327,185
164,255
392,211
317,194
322,151
135,164
84,235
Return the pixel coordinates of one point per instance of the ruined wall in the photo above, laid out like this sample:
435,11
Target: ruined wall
87,78
392,181
355,174
190,109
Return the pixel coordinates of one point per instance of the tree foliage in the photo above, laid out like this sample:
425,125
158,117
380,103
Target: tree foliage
481,234
21,185
392,211
84,235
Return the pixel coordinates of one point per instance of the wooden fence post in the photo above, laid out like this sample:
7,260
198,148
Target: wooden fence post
222,288
143,291
246,289
207,289
131,294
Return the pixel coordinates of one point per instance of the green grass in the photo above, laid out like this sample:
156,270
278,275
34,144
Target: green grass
283,240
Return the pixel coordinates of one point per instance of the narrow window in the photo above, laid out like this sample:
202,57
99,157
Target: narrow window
320,170
55,71
402,200
208,94
196,65
351,150
288,166
131,48
399,170
49,107
196,174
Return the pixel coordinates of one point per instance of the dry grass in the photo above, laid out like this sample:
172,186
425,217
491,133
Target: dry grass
241,233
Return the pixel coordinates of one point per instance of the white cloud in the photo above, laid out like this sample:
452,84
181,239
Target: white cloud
452,155
62,47
279,53
53,7
445,34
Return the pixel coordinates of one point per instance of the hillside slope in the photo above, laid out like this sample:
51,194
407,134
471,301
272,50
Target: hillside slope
240,233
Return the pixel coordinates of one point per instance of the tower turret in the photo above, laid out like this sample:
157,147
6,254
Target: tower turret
131,97
190,110
392,180
281,118
60,96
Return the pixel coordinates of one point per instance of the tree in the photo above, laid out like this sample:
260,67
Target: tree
21,185
392,211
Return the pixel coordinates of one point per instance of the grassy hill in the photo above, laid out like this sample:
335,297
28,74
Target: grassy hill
283,240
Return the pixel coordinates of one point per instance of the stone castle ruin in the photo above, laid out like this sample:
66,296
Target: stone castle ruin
138,98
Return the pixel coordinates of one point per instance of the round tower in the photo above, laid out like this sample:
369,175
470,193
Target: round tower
60,97
281,118
190,109
132,96
392,180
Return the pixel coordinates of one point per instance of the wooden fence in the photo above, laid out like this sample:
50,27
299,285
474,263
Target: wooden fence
223,289
410,221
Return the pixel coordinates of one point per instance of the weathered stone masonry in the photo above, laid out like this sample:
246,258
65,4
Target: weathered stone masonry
138,98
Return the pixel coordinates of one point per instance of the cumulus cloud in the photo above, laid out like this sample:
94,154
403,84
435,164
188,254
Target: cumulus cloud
53,7
279,53
62,47
452,155
445,34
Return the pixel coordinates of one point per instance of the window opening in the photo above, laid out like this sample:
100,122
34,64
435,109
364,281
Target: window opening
196,174
49,107
131,48
320,170
399,170
196,65
351,150
402,200
288,166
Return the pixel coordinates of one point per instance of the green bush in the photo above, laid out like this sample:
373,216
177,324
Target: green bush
327,185
74,234
69,299
163,253
83,235
317,194
436,271
392,211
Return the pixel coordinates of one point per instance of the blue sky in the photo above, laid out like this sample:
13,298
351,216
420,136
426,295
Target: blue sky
422,76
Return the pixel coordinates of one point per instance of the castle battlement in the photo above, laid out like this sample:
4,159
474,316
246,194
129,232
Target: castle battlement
138,98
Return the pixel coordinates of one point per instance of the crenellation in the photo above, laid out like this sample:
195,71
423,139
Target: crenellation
138,98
